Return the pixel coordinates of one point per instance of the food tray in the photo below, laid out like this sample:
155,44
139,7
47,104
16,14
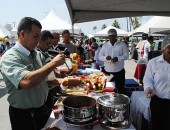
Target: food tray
76,88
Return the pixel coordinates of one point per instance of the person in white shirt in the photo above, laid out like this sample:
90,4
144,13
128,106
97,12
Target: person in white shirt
157,87
114,53
97,47
147,46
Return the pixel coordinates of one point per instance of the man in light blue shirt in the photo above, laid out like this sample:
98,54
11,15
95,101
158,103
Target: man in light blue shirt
25,71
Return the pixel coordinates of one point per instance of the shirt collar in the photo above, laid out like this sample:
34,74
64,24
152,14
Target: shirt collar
160,58
38,49
115,42
23,49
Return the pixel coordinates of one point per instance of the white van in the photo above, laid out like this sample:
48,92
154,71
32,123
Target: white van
158,44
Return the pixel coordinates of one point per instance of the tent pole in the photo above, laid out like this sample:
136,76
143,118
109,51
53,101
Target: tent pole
73,30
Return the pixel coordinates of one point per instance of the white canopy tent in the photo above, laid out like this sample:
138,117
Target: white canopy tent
91,10
155,24
90,35
4,32
14,31
54,23
103,33
165,32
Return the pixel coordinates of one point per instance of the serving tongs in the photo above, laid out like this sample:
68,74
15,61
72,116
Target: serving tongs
66,93
59,51
61,94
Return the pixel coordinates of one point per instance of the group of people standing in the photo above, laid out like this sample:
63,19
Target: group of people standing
26,66
4,47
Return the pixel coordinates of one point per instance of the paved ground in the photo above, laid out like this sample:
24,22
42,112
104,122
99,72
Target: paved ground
4,118
130,66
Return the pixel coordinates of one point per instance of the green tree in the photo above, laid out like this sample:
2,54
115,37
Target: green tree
94,28
135,22
104,26
116,24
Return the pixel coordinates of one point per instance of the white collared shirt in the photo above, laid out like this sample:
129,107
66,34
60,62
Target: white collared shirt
147,48
119,50
157,77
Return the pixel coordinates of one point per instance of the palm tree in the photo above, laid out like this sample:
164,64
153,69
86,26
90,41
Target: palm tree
116,24
104,26
134,21
94,28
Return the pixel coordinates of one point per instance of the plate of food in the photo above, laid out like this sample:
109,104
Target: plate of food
71,83
77,93
95,83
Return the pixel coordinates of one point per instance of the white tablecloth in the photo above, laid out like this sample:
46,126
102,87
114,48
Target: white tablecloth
140,105
64,126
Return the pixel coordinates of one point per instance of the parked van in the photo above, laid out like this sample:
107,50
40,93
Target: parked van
158,44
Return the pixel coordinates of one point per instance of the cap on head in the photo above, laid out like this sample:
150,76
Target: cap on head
166,42
112,32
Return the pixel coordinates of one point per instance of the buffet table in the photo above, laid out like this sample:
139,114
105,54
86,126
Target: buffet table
140,107
64,126
94,85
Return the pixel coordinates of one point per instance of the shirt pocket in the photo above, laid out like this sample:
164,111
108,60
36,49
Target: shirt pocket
161,75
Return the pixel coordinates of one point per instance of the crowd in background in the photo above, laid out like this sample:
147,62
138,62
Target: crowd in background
81,45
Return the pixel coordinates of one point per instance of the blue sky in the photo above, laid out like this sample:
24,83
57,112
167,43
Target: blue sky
13,10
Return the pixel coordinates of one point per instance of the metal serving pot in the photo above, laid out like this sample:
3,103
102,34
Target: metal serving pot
114,108
79,107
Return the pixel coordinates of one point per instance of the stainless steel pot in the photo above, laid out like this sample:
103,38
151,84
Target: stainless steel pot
79,107
114,108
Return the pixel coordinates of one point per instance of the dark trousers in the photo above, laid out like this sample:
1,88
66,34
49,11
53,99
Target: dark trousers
52,97
160,113
28,119
103,70
119,79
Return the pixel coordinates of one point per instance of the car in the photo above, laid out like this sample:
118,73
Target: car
157,45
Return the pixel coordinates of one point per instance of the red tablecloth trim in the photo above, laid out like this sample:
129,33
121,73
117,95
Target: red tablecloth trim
139,72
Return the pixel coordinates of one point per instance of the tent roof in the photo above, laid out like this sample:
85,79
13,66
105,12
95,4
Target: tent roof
104,32
155,24
14,31
53,22
4,32
91,10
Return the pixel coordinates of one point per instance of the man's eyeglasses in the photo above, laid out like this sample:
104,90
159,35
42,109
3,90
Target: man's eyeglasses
112,35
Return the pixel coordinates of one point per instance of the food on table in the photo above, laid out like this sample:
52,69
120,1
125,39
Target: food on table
75,67
79,93
73,56
94,82
72,83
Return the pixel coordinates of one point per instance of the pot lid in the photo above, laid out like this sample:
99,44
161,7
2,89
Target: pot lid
114,99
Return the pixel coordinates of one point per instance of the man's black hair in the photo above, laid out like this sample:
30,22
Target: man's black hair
65,31
150,38
26,24
46,34
144,36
